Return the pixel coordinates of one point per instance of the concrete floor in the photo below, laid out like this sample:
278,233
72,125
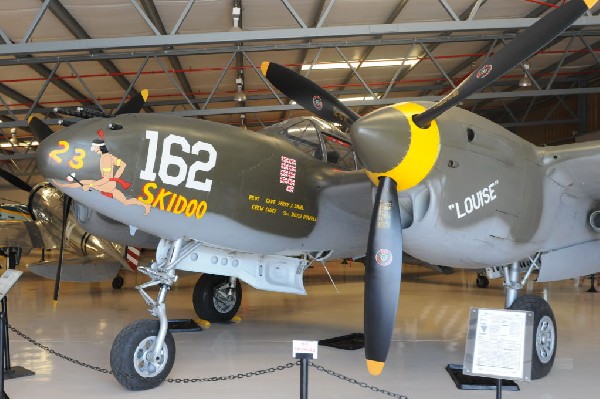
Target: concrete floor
430,333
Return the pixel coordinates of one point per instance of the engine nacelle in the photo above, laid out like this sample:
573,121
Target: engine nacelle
595,221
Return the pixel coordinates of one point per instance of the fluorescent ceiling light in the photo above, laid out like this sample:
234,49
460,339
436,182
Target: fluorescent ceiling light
362,98
349,99
22,144
366,64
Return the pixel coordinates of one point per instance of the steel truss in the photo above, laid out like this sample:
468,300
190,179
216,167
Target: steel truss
168,45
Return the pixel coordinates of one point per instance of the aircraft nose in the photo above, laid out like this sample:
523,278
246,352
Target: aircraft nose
388,143
47,155
63,153
381,139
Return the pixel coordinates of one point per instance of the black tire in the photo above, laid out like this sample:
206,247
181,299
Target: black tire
446,269
118,282
128,356
545,334
482,281
210,298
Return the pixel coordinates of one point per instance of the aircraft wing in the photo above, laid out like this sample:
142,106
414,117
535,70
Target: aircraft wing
575,167
87,269
22,234
352,194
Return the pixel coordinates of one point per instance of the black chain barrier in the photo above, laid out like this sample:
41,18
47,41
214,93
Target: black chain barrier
359,383
208,379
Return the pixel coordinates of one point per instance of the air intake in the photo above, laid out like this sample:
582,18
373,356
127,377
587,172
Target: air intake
595,221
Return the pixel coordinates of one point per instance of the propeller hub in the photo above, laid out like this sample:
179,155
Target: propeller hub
389,143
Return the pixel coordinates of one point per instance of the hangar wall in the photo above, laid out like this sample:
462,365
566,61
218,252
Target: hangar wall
560,133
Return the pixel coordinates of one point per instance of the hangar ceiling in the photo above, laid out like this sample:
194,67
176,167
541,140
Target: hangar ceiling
196,55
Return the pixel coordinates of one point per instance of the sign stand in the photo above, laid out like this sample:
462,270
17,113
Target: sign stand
7,280
499,345
304,350
592,288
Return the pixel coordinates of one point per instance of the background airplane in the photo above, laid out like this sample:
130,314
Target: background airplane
37,225
452,189
102,246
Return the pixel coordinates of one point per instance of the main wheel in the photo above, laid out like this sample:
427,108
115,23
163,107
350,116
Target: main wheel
482,281
212,301
544,333
132,360
118,282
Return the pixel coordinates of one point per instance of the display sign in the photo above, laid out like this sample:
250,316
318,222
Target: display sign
7,280
309,348
499,344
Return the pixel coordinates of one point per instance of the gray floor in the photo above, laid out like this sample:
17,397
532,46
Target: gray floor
430,333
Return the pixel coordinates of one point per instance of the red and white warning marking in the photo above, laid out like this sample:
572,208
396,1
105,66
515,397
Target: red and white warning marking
132,257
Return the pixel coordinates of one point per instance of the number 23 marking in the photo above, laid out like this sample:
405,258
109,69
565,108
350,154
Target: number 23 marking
76,162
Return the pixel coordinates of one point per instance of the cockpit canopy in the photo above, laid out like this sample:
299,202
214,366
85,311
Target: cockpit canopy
318,139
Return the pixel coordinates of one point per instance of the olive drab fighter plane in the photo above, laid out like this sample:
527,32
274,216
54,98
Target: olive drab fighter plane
452,189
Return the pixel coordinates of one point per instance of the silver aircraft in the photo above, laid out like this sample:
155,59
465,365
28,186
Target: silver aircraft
93,258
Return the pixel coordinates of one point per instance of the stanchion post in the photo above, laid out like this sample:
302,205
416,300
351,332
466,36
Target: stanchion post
304,375
2,349
5,342
304,350
499,388
7,280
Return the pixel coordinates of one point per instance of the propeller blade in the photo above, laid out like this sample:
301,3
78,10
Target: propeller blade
523,46
383,273
15,181
308,94
39,129
66,207
135,104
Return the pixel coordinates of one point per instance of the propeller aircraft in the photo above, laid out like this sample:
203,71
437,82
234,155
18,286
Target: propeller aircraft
452,189
37,225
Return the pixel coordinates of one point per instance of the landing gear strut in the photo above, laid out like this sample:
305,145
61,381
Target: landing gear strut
143,353
544,324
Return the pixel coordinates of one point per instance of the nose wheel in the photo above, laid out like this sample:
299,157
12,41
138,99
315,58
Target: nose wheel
132,357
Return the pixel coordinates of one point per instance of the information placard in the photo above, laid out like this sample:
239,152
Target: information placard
499,344
7,280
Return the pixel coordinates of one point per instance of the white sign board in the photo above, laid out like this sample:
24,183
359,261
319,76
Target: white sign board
305,348
7,280
499,344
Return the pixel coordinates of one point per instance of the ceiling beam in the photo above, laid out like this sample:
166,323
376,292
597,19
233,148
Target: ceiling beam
378,103
536,13
411,28
71,24
152,13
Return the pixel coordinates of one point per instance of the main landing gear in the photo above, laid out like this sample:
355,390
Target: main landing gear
217,298
118,282
482,281
545,332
